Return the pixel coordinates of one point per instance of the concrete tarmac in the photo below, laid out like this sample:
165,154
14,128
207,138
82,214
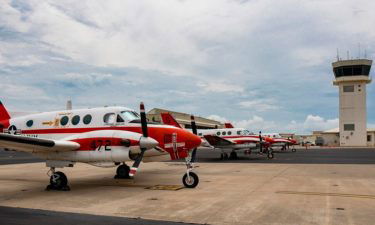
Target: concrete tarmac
329,191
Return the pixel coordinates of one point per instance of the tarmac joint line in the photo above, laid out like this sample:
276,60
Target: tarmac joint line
327,194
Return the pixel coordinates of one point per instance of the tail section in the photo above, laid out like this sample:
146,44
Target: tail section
4,117
228,125
168,119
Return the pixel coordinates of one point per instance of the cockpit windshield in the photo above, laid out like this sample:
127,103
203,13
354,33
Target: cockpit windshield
245,132
130,115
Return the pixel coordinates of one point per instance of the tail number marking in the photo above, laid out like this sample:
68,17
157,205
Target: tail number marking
98,144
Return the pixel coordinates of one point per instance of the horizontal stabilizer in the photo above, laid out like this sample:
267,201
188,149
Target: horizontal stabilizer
218,141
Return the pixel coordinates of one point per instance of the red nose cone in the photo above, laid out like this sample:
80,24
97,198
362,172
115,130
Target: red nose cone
192,140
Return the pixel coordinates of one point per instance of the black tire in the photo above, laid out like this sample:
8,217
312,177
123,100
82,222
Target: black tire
233,155
123,171
270,155
194,180
58,180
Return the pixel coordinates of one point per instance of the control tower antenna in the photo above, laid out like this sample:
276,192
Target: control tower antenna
359,50
338,55
347,55
365,53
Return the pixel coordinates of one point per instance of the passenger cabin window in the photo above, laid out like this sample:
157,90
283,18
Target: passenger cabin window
29,123
239,132
229,132
87,119
200,134
224,133
109,118
218,133
75,120
348,88
64,120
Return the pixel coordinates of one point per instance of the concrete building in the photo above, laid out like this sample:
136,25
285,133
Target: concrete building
184,119
332,137
351,77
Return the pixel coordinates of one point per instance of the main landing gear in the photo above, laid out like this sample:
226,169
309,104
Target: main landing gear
58,181
190,179
122,172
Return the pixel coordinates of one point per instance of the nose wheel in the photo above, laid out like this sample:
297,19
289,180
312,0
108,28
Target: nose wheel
190,179
57,181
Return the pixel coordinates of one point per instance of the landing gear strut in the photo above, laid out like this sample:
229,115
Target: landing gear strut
58,181
224,155
233,155
190,179
122,172
270,153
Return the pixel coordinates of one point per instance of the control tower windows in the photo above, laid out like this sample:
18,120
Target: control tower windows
356,70
349,127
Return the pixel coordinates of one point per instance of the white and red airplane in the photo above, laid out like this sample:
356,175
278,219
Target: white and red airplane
104,137
229,139
284,143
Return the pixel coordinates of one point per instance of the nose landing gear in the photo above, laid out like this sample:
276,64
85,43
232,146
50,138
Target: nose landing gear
58,181
190,179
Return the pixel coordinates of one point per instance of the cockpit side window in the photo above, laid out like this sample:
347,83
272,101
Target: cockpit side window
109,118
119,119
130,115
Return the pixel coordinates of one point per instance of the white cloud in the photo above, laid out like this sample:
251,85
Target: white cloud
85,80
262,105
218,118
256,124
220,87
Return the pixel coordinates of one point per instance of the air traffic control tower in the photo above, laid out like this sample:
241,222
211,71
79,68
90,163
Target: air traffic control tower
352,76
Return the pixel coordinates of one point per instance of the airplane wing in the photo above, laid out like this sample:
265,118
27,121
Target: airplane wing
218,141
31,144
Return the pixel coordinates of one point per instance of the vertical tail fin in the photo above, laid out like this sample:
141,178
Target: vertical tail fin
168,119
4,117
228,125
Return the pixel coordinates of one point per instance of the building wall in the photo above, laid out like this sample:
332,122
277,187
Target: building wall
371,143
353,111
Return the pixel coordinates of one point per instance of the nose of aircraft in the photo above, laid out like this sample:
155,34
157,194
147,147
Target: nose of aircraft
192,140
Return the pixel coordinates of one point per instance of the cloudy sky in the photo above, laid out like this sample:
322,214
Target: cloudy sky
262,64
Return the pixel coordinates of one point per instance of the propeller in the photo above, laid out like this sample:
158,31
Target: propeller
260,142
145,142
194,129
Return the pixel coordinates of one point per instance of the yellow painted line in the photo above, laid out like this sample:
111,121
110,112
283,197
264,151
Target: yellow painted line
326,194
165,187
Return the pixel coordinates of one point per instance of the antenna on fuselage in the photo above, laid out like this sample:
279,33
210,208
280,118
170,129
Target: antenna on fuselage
69,104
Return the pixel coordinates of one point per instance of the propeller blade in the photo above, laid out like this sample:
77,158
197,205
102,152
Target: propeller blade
143,120
193,125
144,143
194,129
260,142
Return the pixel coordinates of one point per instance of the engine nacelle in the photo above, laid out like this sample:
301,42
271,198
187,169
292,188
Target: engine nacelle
99,147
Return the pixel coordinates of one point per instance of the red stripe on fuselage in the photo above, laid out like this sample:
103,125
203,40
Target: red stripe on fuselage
90,144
